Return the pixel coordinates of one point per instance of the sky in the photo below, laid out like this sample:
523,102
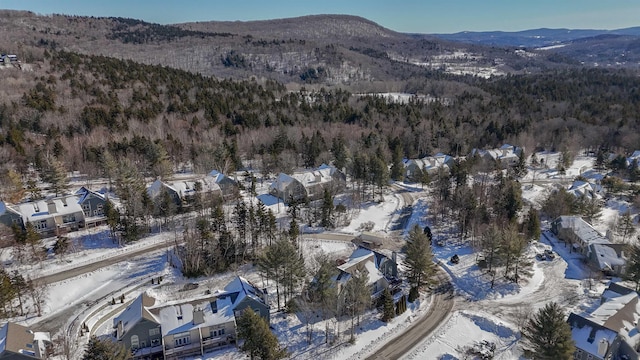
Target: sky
412,16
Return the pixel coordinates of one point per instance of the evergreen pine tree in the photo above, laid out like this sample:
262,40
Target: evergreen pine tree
388,308
326,220
259,342
625,226
419,259
56,175
632,270
549,334
532,225
397,166
99,349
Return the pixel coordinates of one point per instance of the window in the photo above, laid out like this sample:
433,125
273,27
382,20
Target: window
155,342
153,332
42,224
135,344
86,208
221,332
69,218
182,339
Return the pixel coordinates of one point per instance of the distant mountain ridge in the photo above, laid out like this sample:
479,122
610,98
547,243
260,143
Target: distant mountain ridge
532,38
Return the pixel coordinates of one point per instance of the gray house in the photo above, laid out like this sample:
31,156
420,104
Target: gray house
138,329
9,216
93,206
228,186
504,157
20,343
611,331
380,270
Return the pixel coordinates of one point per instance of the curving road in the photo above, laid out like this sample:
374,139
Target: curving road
438,312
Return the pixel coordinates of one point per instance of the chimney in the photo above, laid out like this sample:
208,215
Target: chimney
198,316
265,296
51,207
603,346
318,177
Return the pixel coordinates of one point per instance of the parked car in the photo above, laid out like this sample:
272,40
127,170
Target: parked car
455,259
540,256
549,254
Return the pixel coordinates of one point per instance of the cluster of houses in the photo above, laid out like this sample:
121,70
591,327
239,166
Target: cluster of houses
503,157
611,331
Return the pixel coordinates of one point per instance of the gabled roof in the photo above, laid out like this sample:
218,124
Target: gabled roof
39,210
85,193
587,334
180,318
606,256
5,208
585,232
370,262
240,288
14,338
135,312
321,175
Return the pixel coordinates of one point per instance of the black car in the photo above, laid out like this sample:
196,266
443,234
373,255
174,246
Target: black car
455,259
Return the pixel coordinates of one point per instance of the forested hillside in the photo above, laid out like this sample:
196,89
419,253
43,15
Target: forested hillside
77,108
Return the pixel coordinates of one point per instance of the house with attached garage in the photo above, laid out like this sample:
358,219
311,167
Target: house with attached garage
228,186
54,216
612,330
182,192
309,184
20,343
601,254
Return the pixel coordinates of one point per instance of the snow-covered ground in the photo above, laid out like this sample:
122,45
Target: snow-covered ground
483,316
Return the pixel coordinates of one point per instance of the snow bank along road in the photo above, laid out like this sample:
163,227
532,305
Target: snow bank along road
93,266
439,310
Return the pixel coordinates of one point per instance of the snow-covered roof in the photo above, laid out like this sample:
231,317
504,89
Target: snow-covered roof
505,152
281,182
179,318
365,257
239,288
135,312
606,256
585,232
581,188
321,175
587,338
39,210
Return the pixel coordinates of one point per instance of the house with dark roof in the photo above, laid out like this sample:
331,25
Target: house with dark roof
138,329
93,206
20,343
611,331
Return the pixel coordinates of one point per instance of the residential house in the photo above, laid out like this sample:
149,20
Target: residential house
598,250
203,325
611,331
505,156
93,206
414,168
308,184
20,343
181,192
9,216
188,328
228,186
53,216
139,330
191,329
381,271
585,189
634,157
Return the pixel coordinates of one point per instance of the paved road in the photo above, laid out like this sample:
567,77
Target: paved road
83,269
438,312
